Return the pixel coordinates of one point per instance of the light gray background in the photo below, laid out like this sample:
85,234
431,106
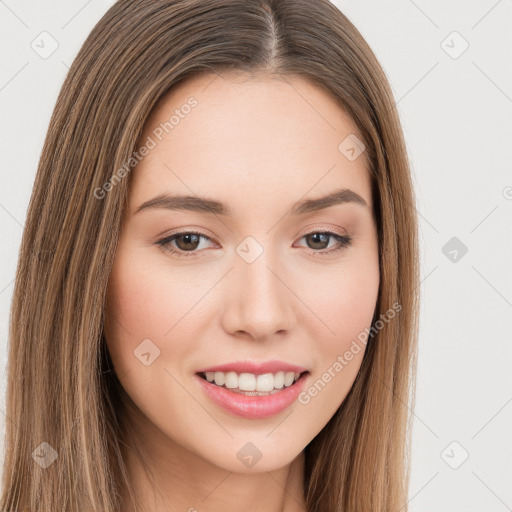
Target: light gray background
456,114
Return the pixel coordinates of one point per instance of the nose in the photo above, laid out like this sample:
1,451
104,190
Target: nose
258,301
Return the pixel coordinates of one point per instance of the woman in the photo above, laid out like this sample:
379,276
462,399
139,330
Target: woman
216,299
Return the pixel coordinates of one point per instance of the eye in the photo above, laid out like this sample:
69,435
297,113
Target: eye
187,242
318,239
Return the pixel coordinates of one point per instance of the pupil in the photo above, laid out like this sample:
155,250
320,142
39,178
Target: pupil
189,239
316,240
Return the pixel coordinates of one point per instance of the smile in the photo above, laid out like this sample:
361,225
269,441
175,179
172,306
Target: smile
251,384
252,396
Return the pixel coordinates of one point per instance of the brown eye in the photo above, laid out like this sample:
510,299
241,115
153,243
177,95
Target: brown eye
183,244
318,241
188,241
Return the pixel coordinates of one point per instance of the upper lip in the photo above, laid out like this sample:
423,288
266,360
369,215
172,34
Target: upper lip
255,367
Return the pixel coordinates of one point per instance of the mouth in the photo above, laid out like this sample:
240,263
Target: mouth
250,384
252,396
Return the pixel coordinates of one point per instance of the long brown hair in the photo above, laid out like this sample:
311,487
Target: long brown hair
61,390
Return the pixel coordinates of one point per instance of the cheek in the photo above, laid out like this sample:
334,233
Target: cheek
146,303
344,298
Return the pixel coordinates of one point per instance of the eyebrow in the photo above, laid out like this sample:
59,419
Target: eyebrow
205,205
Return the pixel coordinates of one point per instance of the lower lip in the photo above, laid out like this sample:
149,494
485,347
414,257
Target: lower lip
253,407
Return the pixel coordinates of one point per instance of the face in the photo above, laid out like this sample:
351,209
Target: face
259,274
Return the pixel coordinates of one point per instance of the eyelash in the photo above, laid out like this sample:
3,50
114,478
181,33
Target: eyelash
343,242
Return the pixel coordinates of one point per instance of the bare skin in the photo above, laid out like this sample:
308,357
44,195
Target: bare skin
259,145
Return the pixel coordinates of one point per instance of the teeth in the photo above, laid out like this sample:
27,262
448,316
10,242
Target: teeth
264,383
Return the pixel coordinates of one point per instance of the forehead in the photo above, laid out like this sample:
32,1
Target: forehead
246,139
